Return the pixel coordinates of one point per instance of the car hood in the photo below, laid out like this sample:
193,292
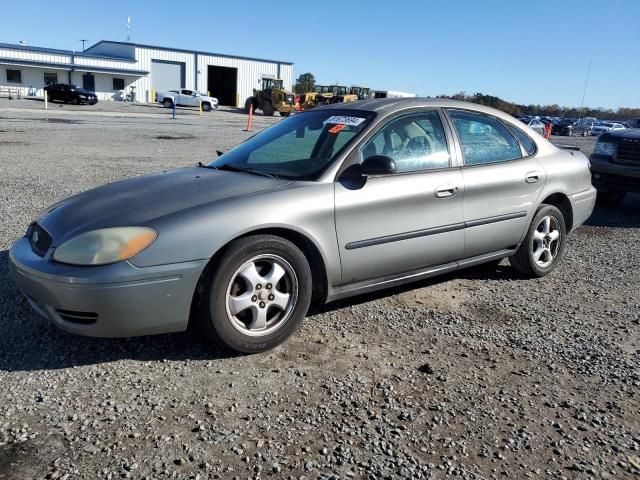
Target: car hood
141,200
624,133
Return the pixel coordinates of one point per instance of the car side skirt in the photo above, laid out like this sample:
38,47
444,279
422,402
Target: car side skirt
367,286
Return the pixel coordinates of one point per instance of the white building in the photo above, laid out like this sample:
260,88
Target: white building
108,67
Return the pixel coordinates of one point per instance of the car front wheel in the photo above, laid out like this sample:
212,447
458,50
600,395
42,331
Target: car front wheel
544,245
206,107
258,294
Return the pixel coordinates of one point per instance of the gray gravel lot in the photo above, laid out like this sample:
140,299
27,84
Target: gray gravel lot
475,375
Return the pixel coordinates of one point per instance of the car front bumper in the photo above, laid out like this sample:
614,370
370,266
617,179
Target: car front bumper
117,300
607,175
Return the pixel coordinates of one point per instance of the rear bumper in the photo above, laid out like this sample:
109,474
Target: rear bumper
582,205
118,300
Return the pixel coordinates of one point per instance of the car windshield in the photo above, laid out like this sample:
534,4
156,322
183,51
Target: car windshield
300,147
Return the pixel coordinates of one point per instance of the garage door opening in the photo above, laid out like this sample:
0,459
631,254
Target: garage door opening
222,83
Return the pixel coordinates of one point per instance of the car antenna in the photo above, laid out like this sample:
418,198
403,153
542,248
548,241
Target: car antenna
584,93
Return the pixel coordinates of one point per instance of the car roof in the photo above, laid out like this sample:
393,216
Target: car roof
390,105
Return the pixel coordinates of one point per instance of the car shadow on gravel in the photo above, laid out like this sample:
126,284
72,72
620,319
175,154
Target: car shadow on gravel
29,342
481,272
625,215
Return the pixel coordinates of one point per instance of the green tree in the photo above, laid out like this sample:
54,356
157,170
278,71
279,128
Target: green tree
305,83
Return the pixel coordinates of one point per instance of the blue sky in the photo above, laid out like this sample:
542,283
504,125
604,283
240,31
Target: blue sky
527,52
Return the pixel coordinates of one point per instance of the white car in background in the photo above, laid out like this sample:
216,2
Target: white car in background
601,127
534,124
186,98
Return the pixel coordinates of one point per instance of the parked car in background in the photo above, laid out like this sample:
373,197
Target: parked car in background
186,98
615,165
326,204
569,128
601,127
68,93
634,123
535,125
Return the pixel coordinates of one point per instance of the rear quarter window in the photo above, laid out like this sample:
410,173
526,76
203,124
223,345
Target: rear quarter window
524,139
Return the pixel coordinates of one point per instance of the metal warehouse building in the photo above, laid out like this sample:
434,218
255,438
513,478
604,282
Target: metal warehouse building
109,67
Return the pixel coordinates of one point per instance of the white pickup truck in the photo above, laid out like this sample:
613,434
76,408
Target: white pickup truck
186,98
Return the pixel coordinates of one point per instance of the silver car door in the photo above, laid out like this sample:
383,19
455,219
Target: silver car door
502,181
396,223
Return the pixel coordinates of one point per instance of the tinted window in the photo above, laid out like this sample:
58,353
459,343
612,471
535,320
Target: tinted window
187,92
524,139
14,76
415,142
483,138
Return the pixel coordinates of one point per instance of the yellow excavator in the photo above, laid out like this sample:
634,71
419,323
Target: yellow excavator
272,97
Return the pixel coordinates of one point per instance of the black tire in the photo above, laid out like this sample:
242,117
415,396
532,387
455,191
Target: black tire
524,261
267,109
50,98
167,103
75,101
247,105
285,114
215,318
206,107
611,198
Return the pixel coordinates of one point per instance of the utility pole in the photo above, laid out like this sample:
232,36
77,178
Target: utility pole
128,28
83,42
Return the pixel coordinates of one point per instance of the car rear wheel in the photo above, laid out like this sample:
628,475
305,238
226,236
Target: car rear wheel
544,245
610,198
258,294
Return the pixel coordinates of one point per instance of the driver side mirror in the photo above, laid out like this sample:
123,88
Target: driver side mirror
378,165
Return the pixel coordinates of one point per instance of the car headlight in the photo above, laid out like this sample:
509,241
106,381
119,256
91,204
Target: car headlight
605,148
106,245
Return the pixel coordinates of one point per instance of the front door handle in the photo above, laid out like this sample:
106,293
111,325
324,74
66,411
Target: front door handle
446,191
532,177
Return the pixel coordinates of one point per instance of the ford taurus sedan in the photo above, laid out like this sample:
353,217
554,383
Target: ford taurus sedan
326,204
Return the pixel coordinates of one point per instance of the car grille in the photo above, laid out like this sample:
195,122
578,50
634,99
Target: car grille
628,153
83,318
39,239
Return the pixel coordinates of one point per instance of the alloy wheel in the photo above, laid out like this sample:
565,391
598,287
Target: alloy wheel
261,295
546,241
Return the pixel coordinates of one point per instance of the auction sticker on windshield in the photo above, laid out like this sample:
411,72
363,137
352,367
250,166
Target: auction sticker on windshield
353,121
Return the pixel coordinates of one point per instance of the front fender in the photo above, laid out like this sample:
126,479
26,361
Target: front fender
306,208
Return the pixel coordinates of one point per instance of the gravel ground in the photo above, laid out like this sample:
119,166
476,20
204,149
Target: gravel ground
475,375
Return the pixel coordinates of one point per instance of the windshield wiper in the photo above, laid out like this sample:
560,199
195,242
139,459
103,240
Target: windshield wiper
202,165
235,168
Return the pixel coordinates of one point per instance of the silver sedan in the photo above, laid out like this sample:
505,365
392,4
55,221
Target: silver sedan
330,203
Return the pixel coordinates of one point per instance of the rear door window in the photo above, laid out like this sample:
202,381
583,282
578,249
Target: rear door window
483,138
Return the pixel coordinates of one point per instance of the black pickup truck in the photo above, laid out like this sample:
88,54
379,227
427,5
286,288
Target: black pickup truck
615,165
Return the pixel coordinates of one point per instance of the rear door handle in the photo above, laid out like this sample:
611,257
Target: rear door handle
446,191
532,177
